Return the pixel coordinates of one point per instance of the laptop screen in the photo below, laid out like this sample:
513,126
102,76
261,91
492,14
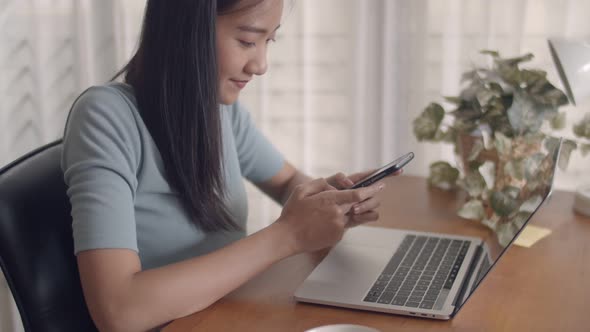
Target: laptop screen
523,186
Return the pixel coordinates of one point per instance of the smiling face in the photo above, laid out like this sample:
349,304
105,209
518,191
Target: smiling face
242,43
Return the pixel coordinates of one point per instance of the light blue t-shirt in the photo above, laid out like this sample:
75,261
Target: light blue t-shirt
118,189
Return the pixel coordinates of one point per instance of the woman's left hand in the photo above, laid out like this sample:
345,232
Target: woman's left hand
364,211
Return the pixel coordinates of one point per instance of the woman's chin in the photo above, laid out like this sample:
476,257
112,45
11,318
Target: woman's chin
228,98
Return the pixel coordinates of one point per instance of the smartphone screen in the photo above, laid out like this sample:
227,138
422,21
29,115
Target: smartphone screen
384,171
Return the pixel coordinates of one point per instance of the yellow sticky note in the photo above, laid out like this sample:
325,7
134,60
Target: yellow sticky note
530,235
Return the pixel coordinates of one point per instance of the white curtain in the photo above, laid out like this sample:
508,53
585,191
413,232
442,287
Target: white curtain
50,50
347,77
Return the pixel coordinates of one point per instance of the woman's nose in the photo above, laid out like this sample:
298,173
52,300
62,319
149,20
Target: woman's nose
258,64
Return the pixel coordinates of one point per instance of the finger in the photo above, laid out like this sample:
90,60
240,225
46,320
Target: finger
313,187
364,218
351,196
340,181
368,205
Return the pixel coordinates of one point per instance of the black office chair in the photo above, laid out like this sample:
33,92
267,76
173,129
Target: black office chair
36,245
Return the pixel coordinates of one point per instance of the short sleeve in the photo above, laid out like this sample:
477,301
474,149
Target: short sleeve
259,159
100,157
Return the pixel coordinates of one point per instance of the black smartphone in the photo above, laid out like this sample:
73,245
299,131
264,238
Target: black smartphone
384,171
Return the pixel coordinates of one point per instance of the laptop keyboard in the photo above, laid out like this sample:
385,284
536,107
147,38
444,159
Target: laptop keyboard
421,269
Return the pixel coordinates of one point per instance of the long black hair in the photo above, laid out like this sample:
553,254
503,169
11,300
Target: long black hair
174,77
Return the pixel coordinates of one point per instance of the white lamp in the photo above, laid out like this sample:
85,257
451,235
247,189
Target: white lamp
572,59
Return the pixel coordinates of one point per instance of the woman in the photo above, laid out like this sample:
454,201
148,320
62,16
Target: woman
154,169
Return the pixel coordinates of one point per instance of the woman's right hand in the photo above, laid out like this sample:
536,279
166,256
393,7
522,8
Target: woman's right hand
315,213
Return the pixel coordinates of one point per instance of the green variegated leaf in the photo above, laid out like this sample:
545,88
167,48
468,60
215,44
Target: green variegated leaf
449,135
503,203
494,110
473,183
486,135
502,143
533,184
469,76
534,138
511,191
472,210
469,92
545,93
516,60
515,168
492,53
443,175
520,219
464,126
488,172
531,204
552,96
496,88
467,115
484,96
508,69
567,146
501,125
558,121
453,100
551,143
506,233
475,150
531,166
509,74
582,129
427,124
492,222
475,165
533,76
526,116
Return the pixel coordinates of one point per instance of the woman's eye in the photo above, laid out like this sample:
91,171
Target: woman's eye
270,40
247,44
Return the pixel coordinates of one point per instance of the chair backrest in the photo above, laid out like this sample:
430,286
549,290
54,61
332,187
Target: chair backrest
36,245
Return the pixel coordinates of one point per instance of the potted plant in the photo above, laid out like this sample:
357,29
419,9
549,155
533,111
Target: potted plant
499,126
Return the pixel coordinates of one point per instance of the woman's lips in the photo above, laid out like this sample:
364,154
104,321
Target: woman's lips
239,84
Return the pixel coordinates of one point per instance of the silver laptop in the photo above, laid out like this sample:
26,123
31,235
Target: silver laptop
418,273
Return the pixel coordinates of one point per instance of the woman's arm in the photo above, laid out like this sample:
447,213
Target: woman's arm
122,297
280,186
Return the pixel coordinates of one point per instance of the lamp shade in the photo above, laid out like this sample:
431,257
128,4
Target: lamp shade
572,59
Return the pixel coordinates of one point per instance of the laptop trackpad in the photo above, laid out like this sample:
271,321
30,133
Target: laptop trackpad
346,274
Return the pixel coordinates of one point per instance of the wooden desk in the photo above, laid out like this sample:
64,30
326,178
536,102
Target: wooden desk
545,287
